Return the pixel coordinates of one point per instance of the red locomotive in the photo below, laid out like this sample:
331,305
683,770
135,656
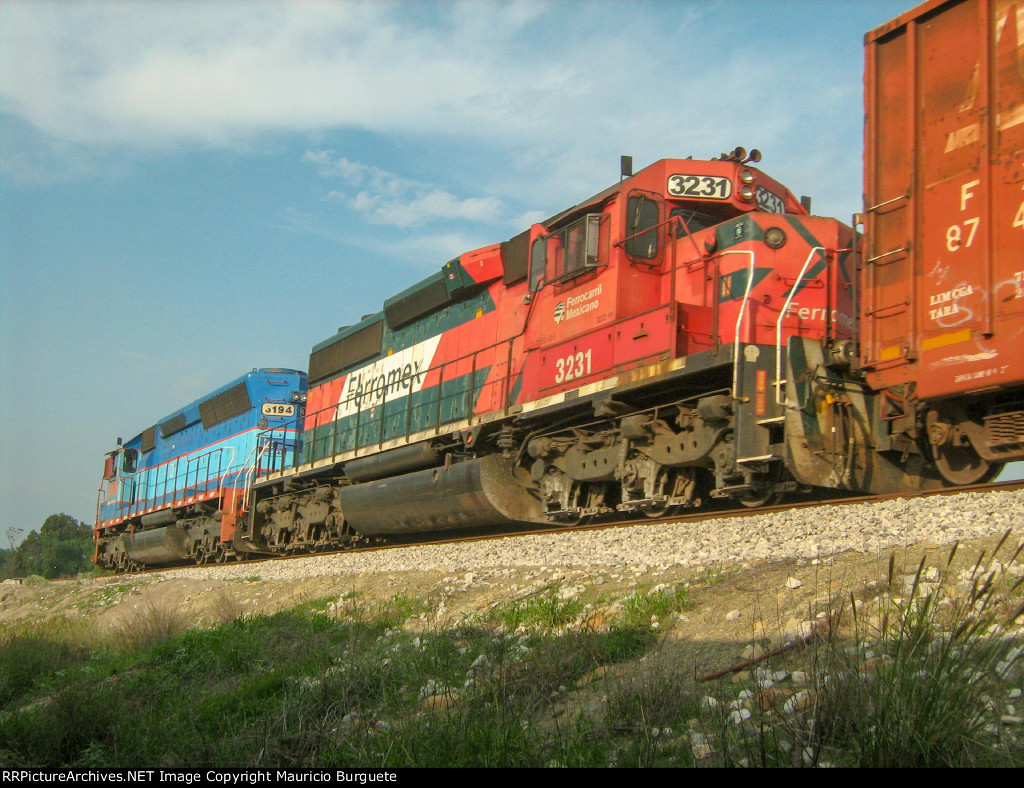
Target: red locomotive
693,333
619,357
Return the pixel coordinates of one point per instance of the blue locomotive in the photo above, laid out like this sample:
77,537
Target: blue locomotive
175,491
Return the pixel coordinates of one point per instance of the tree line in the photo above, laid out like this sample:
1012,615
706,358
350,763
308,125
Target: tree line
62,547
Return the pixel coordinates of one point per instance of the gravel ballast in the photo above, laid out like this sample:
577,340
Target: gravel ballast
799,533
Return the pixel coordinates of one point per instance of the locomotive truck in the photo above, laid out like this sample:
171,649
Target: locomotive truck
691,333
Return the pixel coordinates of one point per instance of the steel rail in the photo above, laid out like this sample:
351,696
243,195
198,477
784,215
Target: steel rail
600,525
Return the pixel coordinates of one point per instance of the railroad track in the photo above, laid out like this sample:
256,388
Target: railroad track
598,525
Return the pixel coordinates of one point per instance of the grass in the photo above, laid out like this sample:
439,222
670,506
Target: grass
648,608
106,596
148,625
924,680
547,610
920,679
711,576
301,688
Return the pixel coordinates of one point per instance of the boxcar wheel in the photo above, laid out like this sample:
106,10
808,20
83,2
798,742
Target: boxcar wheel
961,465
956,459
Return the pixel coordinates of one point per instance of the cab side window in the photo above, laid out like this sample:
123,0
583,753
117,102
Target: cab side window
641,222
130,463
538,263
570,251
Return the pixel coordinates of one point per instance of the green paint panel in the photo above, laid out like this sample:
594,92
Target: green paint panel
452,316
737,231
456,278
451,401
734,285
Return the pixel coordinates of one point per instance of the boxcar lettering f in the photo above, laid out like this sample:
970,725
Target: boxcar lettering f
966,193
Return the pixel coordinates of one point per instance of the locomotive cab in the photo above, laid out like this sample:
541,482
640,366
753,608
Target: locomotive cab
118,470
697,274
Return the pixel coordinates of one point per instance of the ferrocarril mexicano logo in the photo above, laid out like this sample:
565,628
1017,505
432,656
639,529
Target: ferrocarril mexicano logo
577,305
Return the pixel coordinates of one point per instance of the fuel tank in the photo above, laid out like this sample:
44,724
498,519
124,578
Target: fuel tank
471,494
157,546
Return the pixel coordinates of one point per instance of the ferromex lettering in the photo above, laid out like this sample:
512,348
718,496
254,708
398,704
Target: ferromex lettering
387,379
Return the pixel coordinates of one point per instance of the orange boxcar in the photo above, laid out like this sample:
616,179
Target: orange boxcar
943,258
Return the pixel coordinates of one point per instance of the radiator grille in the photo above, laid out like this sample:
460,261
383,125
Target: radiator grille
173,425
226,405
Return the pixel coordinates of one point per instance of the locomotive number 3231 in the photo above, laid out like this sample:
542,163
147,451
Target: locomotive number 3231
572,366
706,187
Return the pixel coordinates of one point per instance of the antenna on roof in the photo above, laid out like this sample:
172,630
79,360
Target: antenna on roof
625,166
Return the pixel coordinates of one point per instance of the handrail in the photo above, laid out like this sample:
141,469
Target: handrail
739,319
883,204
167,490
782,316
450,401
250,470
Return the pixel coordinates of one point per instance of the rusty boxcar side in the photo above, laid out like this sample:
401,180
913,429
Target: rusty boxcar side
944,177
943,256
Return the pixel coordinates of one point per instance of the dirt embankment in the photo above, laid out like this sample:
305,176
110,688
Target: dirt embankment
733,611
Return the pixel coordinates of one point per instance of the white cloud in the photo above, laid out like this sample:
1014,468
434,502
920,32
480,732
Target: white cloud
430,251
149,74
529,218
560,89
558,74
385,198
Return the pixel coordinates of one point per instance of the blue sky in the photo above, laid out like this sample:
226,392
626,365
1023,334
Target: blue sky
191,190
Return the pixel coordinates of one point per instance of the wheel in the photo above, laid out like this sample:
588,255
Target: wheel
764,494
960,465
653,510
753,499
956,459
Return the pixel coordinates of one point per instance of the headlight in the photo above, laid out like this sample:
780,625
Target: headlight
746,176
774,238
747,193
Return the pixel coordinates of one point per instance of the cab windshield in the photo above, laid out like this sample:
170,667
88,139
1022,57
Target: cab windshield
694,221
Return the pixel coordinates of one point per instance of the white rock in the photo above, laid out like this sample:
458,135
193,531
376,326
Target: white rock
738,716
796,702
792,582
